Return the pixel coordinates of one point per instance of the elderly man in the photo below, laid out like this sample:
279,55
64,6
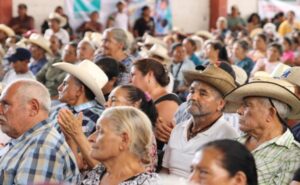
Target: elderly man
81,91
115,44
265,105
37,153
205,104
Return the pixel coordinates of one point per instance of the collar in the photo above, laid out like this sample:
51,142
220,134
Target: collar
86,105
29,132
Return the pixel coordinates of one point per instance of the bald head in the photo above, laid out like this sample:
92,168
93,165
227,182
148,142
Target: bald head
27,90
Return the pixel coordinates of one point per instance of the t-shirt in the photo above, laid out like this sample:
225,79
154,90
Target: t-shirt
142,26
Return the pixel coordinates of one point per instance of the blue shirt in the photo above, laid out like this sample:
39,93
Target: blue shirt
125,77
41,154
247,64
91,111
37,65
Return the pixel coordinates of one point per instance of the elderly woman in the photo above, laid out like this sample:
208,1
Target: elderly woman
224,162
121,143
126,95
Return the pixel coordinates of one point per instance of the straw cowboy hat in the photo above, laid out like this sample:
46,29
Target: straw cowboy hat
272,88
89,74
217,77
160,51
39,40
7,30
255,32
292,75
204,34
62,20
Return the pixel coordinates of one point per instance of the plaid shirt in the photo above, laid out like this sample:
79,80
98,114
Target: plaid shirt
125,77
91,112
276,160
39,155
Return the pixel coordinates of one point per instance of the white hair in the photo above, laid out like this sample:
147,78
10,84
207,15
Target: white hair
119,35
282,109
136,124
32,89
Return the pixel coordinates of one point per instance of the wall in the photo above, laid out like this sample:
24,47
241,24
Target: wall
39,9
192,15
246,7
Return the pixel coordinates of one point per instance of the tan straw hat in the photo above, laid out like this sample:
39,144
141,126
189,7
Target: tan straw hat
213,75
9,32
89,74
160,51
273,88
39,40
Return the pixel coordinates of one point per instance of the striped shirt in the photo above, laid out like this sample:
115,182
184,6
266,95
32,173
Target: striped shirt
276,160
39,155
91,112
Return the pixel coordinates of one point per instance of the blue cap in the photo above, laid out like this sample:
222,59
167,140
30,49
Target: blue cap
20,54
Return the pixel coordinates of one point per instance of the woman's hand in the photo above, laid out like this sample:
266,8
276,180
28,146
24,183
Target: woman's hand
70,124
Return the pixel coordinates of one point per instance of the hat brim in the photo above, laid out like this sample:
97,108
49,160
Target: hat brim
82,74
47,49
220,84
268,90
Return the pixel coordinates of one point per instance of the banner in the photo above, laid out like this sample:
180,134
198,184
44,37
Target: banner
79,10
268,8
163,17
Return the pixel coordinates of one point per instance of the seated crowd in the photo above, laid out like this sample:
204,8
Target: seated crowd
119,105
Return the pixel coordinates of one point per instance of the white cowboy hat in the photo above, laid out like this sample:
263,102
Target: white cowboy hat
39,40
204,34
272,88
255,32
62,20
160,51
149,40
213,75
9,32
292,75
93,37
89,74
241,76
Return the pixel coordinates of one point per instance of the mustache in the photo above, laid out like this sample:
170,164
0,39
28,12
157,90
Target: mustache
193,102
2,118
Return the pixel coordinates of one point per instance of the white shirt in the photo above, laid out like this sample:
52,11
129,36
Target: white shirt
62,34
180,152
11,76
121,21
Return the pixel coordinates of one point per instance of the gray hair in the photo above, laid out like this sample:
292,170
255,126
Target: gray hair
32,89
119,35
283,110
136,124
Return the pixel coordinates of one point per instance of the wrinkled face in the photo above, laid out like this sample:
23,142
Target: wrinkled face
69,54
85,51
203,99
273,54
105,142
208,169
138,79
12,112
109,45
68,90
252,114
118,97
179,54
